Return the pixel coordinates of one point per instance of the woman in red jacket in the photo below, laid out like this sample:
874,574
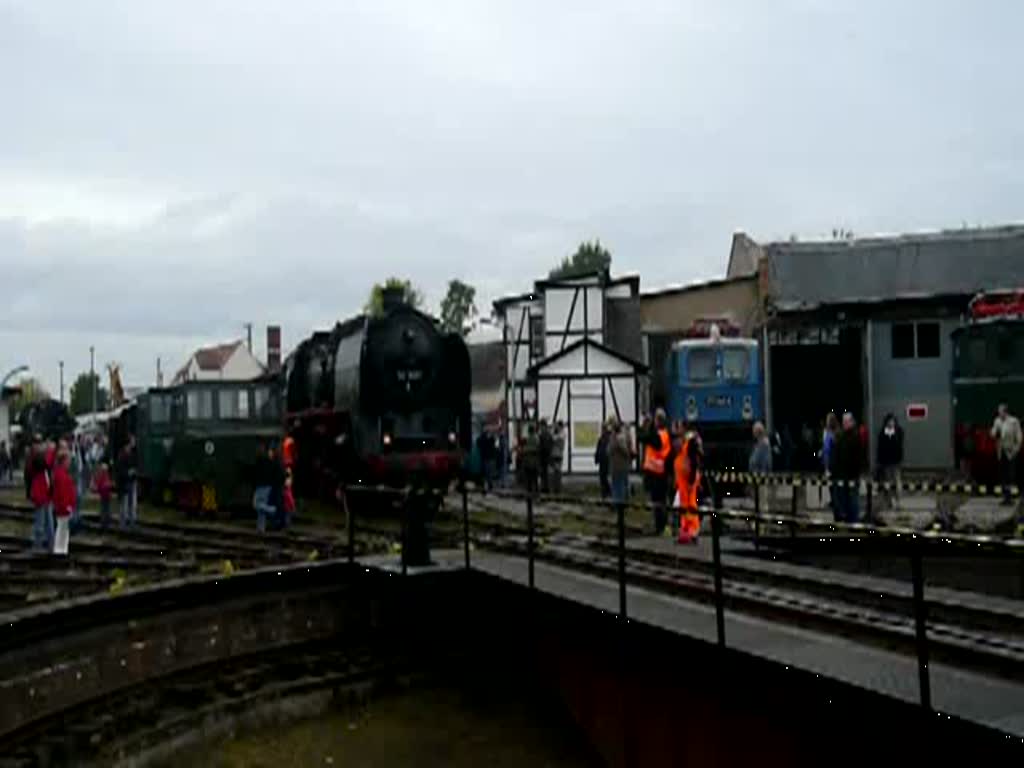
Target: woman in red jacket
40,496
63,502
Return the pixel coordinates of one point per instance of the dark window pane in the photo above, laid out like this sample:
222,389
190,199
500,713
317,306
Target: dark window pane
537,336
902,340
928,340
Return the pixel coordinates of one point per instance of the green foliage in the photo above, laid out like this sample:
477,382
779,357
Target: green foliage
375,302
81,394
458,307
32,391
589,258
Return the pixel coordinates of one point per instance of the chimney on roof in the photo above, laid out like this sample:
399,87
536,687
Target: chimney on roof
273,348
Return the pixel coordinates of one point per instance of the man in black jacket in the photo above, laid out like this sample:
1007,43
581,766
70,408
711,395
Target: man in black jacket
847,465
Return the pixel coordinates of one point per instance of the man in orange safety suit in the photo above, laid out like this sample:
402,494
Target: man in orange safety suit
686,469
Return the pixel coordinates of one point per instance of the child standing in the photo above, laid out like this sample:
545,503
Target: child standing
64,498
103,484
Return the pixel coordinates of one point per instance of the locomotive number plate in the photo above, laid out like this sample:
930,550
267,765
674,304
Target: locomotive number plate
719,401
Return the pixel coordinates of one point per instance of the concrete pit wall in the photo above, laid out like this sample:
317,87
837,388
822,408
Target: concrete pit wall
640,696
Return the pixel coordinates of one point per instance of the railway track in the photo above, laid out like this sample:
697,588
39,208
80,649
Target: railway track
973,635
102,559
148,723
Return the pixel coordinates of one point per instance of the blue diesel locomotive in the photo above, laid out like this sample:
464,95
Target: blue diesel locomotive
714,385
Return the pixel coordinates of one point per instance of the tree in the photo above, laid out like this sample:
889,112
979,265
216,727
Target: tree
458,307
32,391
81,394
375,301
589,257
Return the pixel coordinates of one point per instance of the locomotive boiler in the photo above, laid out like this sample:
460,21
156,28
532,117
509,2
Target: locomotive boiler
379,400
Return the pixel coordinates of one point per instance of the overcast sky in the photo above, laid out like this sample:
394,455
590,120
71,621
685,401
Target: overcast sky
172,170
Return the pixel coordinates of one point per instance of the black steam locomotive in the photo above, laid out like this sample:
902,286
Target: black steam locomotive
49,419
379,400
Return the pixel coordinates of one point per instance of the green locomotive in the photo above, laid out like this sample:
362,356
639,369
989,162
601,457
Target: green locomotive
197,442
988,369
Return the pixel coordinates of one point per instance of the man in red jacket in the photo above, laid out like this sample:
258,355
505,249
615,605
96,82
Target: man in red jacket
63,502
39,495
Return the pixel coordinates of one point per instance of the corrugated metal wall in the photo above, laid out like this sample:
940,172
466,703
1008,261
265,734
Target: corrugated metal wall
897,383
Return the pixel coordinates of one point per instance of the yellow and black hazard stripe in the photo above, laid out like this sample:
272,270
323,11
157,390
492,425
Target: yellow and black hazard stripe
910,486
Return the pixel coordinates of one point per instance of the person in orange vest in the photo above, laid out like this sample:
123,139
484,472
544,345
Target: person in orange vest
686,468
657,446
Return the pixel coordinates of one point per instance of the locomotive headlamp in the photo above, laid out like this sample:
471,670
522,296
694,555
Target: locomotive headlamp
386,439
451,437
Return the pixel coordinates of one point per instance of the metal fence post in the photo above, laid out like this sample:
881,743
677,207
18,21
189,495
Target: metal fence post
405,533
465,523
620,509
757,514
350,524
920,617
716,552
529,537
794,484
869,515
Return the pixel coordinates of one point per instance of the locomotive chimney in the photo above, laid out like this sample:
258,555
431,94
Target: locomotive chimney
273,348
391,297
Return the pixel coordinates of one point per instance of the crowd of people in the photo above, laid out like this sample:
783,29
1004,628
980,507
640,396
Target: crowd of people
672,462
60,474
539,457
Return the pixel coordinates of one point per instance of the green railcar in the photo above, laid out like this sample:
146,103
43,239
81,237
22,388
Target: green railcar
198,441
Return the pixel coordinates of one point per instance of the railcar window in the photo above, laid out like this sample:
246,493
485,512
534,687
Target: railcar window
735,363
233,404
700,365
928,344
199,404
1007,349
264,406
159,409
977,355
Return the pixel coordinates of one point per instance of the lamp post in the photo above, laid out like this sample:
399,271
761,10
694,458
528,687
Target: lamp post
11,374
62,381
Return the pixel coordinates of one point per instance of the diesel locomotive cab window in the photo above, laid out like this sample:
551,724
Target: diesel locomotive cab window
735,363
700,365
199,404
